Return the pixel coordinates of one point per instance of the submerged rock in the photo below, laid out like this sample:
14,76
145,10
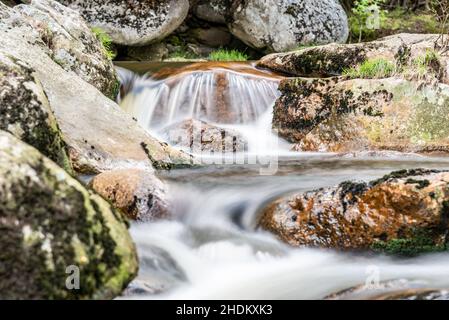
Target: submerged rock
137,193
341,115
52,227
405,212
400,289
332,59
284,25
25,111
98,134
69,42
133,23
199,136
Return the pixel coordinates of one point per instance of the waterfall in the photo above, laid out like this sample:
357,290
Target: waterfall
232,95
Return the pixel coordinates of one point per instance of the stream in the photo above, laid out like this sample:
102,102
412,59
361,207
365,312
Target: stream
212,248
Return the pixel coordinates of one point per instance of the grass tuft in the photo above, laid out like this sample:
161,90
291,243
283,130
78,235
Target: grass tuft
371,69
228,55
106,42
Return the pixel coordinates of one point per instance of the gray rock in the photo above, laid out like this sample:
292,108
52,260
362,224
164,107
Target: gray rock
25,111
52,225
152,52
66,38
212,10
98,134
275,25
199,136
133,23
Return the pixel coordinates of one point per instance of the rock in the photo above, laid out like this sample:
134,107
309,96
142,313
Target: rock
99,135
152,52
137,193
212,10
213,37
415,294
68,41
398,289
274,25
340,115
199,136
25,110
50,226
133,23
333,59
405,213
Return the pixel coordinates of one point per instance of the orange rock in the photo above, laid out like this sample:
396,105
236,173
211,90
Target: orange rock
407,211
138,193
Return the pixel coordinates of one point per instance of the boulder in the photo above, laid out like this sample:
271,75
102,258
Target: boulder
199,136
69,42
133,23
214,11
137,193
98,134
333,59
274,25
341,115
214,37
25,111
405,213
153,52
53,229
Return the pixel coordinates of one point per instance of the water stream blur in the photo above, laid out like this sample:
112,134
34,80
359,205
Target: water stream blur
212,248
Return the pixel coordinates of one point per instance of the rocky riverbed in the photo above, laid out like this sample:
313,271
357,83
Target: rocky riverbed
320,149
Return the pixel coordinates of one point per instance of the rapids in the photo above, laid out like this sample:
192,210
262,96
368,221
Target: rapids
212,248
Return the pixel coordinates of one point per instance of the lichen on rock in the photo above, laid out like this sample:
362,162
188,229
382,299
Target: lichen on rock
50,224
25,111
404,213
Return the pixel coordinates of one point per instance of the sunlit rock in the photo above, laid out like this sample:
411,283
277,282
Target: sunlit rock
405,212
132,23
137,193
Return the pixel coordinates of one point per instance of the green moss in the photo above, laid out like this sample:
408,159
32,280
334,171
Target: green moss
420,242
227,55
371,69
105,41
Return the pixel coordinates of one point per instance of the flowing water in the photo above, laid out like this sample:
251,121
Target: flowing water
212,248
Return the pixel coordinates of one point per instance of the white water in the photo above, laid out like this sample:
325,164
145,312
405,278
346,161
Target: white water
212,249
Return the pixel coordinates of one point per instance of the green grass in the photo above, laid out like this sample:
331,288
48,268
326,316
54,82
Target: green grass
393,22
106,42
228,55
376,68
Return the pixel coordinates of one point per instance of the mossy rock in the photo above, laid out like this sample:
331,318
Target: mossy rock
25,111
405,213
49,223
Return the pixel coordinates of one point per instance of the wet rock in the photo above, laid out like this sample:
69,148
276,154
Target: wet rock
69,42
400,289
212,10
137,193
284,25
332,59
417,294
25,111
133,23
99,136
404,213
52,225
199,136
341,115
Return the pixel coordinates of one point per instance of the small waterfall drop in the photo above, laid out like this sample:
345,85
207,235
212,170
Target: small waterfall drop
236,96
